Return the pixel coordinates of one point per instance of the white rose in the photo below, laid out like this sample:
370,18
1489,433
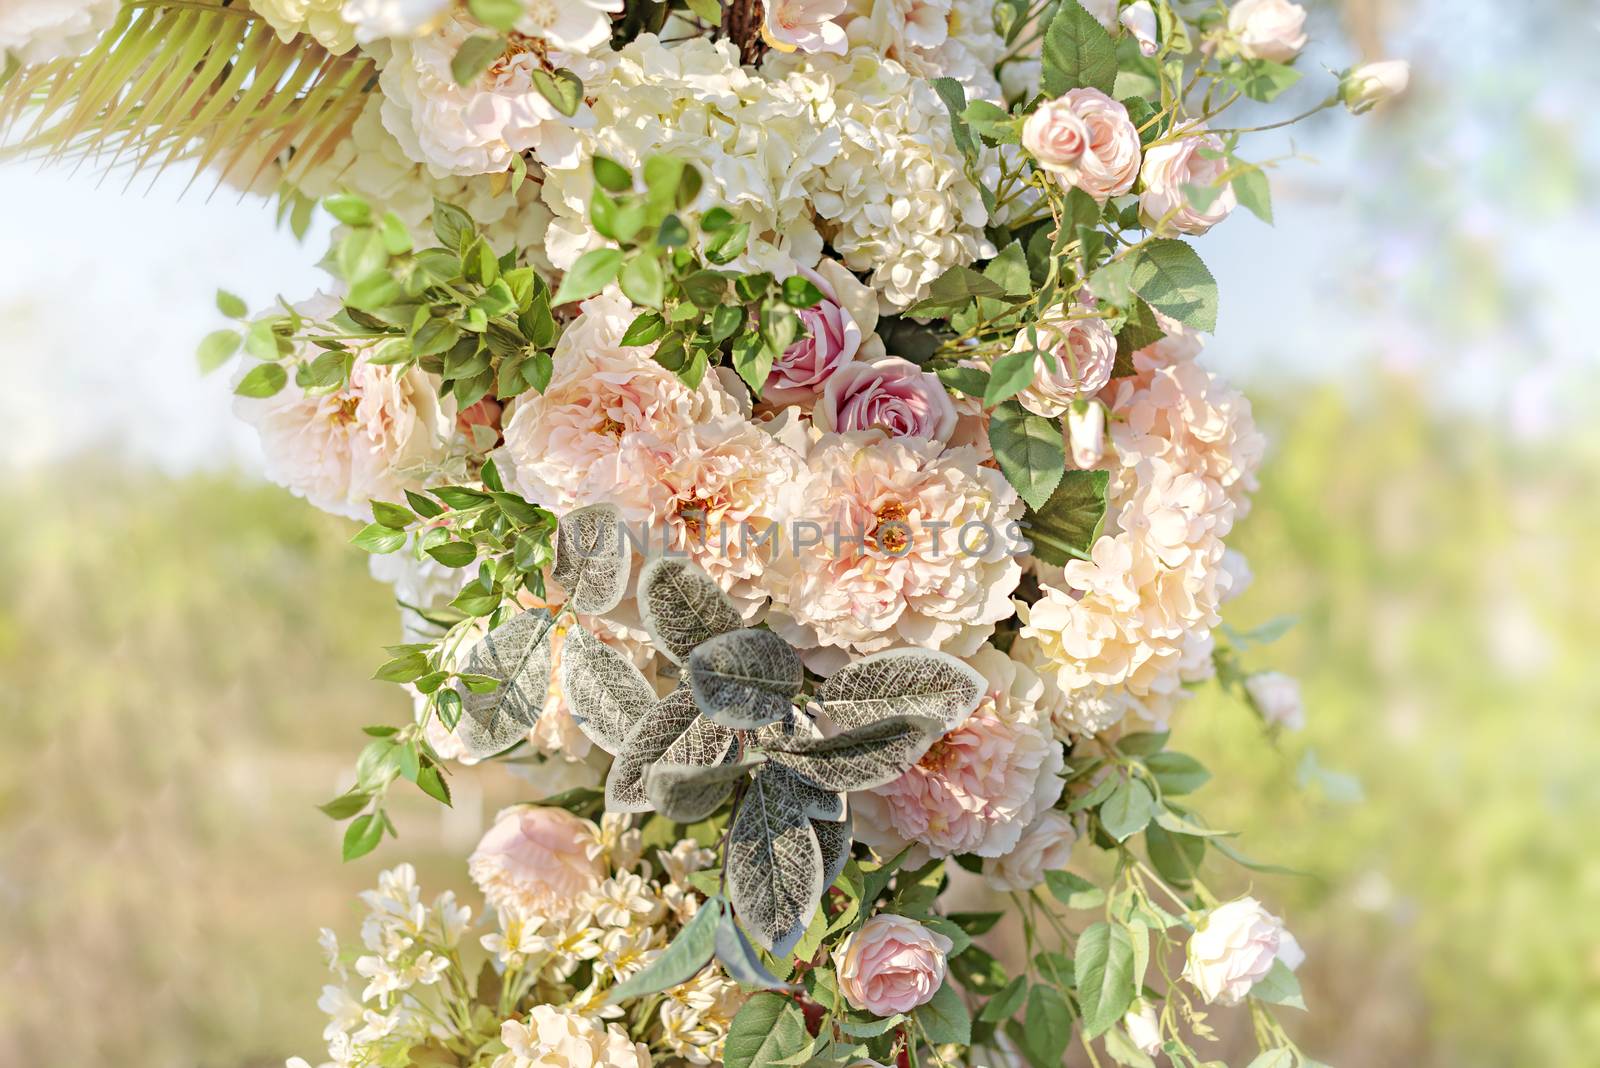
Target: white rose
1268,29
1168,169
1143,1027
1277,697
1366,86
1232,950
1140,19
569,25
35,31
1045,846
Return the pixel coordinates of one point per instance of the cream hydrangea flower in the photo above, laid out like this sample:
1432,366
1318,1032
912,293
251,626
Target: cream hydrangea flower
756,142
559,1038
371,440
474,128
35,31
933,39
374,20
978,787
322,19
899,541
895,200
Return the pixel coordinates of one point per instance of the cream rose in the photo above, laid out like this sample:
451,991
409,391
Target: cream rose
1140,20
888,394
1233,949
1268,29
1366,86
1143,1027
1165,204
537,860
1045,846
891,965
1081,353
1086,139
1277,697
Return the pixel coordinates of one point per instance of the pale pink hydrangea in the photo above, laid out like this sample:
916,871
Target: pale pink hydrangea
977,788
537,860
889,563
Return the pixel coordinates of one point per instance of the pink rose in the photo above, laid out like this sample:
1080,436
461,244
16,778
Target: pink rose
1083,353
1268,29
891,965
1086,139
833,337
537,860
805,26
1233,948
1168,168
888,394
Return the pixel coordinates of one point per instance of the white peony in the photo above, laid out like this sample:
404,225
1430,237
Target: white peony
378,436
474,128
35,31
376,19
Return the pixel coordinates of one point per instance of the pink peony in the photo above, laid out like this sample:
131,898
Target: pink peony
805,26
979,786
835,330
1086,139
537,860
888,394
1165,204
891,965
1082,354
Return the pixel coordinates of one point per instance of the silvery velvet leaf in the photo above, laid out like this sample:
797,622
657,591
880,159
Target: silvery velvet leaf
740,959
863,757
688,793
592,559
517,652
903,682
673,731
682,606
819,804
834,839
745,678
607,694
774,864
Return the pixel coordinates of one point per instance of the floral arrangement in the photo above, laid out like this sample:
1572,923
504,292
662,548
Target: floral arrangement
784,429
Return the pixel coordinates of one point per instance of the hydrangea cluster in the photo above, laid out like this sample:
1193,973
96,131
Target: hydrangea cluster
784,430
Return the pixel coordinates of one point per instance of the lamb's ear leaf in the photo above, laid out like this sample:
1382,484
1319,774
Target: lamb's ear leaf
688,793
903,682
682,606
517,653
819,804
740,959
592,558
607,694
745,678
774,865
863,757
673,731
683,958
834,839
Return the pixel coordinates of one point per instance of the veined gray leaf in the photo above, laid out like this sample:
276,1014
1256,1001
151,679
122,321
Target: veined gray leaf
774,864
690,951
745,678
903,682
592,559
673,731
517,652
796,724
818,803
682,606
834,840
688,793
606,693
740,959
861,758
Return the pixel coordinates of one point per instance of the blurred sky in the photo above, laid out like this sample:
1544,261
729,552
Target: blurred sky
1447,239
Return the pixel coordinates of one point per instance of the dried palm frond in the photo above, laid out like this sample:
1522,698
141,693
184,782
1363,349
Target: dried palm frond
201,80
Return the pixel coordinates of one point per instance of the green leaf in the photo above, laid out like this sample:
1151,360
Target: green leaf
454,553
1176,856
377,538
1262,79
217,348
1254,192
1010,375
648,327
501,14
431,781
690,951
262,380
1005,1004
1104,968
944,1019
347,208
593,271
643,281
1010,271
1048,1024
753,359
1126,812
954,96
1177,773
1273,1058
423,506
1030,451
1279,987
612,176
363,835
727,245
768,1029
951,291
1144,743
563,89
231,306
1072,519
345,805
1171,278
1074,891
991,121
1077,52
405,668
392,515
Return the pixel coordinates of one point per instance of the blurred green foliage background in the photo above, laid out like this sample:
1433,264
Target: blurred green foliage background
184,661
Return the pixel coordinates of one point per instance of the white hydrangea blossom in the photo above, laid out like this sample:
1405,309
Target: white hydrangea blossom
323,19
35,31
756,142
896,199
